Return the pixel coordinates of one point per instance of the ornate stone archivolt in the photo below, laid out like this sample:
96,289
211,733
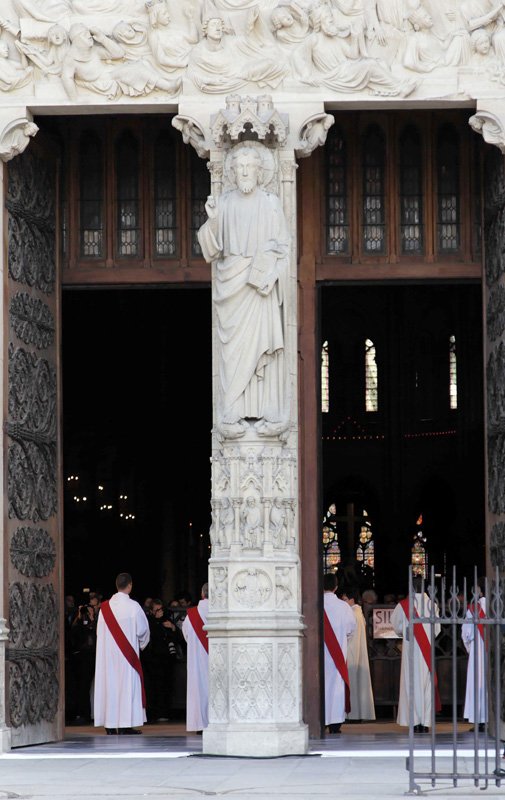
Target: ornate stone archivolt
106,50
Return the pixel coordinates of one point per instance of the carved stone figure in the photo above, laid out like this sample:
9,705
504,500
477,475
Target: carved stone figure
283,587
250,524
423,51
84,65
278,523
138,76
15,138
335,57
252,587
192,134
246,236
170,48
226,523
220,65
48,59
13,75
314,133
486,14
219,591
290,23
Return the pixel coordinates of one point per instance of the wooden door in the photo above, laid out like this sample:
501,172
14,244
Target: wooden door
32,479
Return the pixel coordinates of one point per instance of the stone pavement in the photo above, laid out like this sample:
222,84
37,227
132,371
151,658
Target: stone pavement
358,767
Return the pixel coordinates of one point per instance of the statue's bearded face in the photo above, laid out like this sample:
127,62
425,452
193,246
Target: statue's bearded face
247,168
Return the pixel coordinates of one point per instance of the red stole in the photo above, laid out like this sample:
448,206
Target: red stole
198,623
482,615
337,655
123,644
424,646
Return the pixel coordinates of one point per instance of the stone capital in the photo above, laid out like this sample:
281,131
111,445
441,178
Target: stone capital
16,129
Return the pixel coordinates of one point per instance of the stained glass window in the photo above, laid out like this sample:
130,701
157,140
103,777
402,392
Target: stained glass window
91,191
374,206
411,193
371,377
331,548
127,199
165,222
365,552
419,558
453,374
325,378
337,239
448,213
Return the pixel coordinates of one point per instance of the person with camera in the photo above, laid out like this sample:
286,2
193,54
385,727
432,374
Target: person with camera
158,659
82,658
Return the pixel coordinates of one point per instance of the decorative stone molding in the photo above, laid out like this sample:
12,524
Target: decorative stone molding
490,126
15,137
313,134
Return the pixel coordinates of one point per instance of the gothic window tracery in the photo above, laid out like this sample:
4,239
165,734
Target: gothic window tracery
411,193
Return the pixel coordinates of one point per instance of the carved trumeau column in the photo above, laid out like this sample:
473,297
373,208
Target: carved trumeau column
254,625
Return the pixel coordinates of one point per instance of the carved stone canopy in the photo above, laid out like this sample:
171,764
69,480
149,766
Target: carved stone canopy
249,117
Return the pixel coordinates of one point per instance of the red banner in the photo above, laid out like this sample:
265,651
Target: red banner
198,623
337,655
424,646
123,644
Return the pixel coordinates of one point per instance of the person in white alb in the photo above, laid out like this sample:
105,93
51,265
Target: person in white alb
339,624
358,665
197,693
122,631
422,659
474,636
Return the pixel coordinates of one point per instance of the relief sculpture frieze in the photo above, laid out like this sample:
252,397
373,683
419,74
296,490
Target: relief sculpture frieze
107,51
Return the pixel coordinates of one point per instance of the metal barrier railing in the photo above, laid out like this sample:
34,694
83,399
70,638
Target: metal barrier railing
459,609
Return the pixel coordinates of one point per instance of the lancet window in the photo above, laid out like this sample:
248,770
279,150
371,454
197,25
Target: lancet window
371,377
325,378
132,198
453,374
399,190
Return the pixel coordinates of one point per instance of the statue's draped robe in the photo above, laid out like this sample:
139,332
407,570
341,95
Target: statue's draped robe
249,325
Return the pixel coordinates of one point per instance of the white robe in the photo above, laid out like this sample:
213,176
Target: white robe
358,665
343,622
197,692
470,636
422,675
118,694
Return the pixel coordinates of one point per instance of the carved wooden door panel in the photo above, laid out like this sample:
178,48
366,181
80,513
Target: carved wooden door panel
32,451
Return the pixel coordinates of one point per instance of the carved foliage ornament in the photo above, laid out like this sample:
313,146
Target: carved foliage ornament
252,682
496,476
495,318
33,552
33,654
495,251
32,320
497,545
495,393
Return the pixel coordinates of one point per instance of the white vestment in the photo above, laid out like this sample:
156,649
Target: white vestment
422,675
197,693
343,622
118,693
476,649
358,665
